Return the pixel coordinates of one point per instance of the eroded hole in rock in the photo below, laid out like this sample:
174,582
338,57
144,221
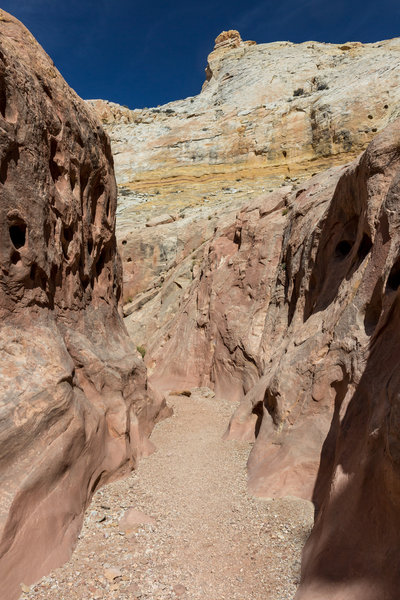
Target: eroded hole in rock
85,279
271,404
237,237
68,233
67,236
3,99
90,246
38,277
97,192
101,262
15,258
18,234
72,178
343,249
55,280
32,274
46,231
393,281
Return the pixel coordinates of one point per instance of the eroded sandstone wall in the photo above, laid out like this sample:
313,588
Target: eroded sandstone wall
358,486
266,111
295,310
281,312
76,408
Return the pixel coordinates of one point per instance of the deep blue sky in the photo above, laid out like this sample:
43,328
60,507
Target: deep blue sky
148,53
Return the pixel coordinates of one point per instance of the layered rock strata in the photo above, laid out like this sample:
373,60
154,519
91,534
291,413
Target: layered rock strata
282,311
76,409
268,115
269,111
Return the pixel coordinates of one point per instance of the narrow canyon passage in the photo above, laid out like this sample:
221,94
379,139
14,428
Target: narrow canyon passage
210,539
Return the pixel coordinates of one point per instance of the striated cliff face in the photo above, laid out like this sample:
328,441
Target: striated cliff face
76,409
266,111
268,115
295,309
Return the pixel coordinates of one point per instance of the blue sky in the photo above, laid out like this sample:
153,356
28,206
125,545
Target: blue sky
148,53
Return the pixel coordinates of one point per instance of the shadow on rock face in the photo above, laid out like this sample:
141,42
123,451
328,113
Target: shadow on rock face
358,486
76,409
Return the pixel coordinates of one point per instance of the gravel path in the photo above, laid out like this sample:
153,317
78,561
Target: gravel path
210,540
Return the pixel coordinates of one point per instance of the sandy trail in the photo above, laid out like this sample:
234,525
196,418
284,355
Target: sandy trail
211,540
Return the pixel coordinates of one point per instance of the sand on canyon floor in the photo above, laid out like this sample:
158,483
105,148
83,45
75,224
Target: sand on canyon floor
209,540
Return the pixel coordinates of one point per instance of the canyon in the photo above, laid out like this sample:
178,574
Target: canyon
253,253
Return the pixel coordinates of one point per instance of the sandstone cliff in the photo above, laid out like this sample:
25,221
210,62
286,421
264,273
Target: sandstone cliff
76,408
266,111
268,115
294,308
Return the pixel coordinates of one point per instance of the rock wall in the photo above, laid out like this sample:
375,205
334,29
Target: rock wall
268,115
294,309
76,409
280,313
269,111
358,486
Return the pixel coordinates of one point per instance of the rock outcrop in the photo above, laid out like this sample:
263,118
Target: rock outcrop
76,409
266,112
358,486
295,309
268,115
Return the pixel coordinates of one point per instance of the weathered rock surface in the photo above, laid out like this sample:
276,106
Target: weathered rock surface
266,111
268,115
358,486
295,309
76,409
277,305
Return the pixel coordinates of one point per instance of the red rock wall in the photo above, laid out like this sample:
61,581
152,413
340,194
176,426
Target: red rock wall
75,406
296,310
353,551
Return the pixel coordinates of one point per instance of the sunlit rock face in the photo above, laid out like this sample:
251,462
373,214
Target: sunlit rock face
270,111
75,406
283,311
268,115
